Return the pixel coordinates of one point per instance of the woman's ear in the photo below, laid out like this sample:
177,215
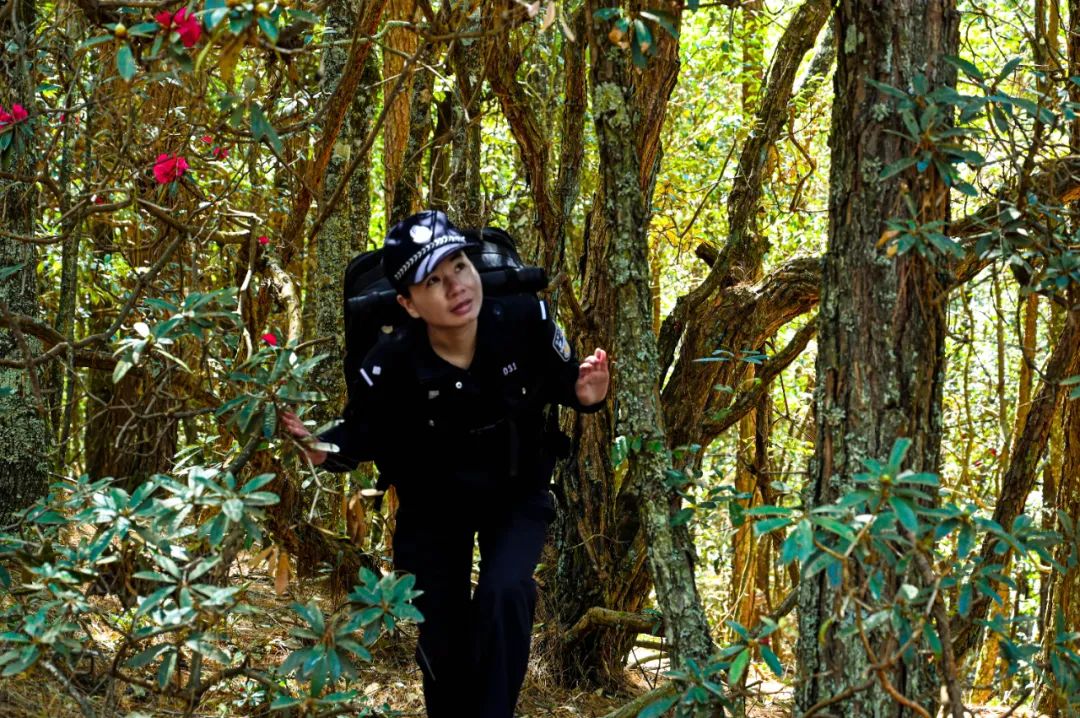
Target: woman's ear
406,302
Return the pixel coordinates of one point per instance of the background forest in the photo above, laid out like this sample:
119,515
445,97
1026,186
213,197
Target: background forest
832,248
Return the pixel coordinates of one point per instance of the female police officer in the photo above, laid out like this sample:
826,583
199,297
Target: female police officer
451,410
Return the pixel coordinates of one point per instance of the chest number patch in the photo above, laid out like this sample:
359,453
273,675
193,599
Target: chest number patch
510,368
560,344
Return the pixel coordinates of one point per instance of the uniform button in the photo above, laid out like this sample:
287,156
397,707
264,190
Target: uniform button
522,390
457,384
431,422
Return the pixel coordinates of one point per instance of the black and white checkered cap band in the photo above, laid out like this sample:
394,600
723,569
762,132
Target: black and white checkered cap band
429,252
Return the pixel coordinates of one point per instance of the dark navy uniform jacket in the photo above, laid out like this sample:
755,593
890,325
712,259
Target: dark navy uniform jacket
439,432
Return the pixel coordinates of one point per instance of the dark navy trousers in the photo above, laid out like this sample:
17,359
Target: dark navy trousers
473,648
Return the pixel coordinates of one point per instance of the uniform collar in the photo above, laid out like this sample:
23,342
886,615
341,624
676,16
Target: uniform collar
430,367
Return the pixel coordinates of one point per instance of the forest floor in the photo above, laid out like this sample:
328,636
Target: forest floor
393,678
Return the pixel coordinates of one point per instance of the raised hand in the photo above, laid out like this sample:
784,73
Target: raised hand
593,378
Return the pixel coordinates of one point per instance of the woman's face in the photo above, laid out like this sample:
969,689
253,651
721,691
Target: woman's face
449,297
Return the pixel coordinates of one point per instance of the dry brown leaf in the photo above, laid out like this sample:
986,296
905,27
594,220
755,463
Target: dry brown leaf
356,520
281,575
260,557
886,236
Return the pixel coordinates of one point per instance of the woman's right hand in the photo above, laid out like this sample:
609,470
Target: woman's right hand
296,428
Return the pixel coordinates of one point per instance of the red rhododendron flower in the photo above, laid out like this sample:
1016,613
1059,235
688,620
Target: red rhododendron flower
220,153
5,118
168,168
19,112
264,239
183,22
270,339
188,26
98,199
207,139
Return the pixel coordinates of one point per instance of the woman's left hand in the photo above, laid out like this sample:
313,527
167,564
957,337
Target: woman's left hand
593,378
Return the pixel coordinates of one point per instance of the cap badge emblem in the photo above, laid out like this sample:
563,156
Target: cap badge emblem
420,234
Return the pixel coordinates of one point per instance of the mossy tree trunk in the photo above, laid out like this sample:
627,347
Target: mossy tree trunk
599,536
24,433
639,418
881,338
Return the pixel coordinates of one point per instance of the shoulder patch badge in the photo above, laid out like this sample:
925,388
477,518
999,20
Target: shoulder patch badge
560,344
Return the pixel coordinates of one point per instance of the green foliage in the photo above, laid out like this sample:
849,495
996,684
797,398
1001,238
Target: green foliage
185,607
875,545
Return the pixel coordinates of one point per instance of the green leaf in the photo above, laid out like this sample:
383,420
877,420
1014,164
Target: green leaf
766,525
963,604
239,22
1008,68
772,660
897,167
658,708
899,451
261,128
164,674
233,508
26,658
125,62
887,89
257,483
738,667
965,66
144,29
932,638
663,19
147,655
93,41
965,540
905,513
269,28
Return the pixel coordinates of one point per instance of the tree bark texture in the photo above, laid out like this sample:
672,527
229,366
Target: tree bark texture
332,118
400,42
670,551
345,232
880,366
599,537
24,433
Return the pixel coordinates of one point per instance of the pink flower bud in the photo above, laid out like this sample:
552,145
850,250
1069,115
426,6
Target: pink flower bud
264,239
270,339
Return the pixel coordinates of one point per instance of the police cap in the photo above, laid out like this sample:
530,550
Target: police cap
416,244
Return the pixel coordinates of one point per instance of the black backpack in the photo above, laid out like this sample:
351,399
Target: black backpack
371,303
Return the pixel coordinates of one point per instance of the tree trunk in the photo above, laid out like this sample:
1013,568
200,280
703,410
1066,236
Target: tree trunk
669,549
24,433
345,232
599,535
881,361
400,42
